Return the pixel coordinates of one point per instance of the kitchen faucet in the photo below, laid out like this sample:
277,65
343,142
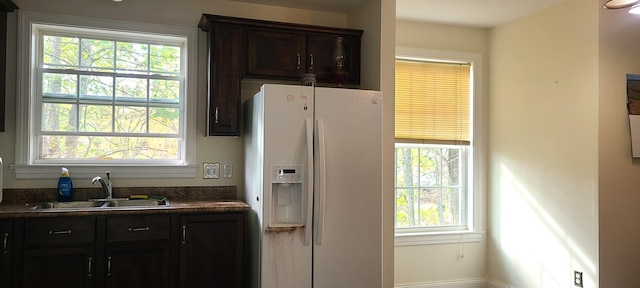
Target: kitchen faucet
106,186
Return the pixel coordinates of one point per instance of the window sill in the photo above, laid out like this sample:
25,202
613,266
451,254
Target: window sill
90,171
416,239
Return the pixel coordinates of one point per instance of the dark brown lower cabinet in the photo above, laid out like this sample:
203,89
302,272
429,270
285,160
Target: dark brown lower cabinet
160,250
6,236
138,265
59,267
211,251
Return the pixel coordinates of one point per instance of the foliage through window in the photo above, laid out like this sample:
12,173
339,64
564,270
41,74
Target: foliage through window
433,139
108,96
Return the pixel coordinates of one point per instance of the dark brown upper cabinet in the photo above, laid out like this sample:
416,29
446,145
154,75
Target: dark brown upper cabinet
241,48
5,7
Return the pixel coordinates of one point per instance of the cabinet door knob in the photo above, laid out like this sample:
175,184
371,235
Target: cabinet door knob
5,247
109,266
90,266
139,229
184,234
61,232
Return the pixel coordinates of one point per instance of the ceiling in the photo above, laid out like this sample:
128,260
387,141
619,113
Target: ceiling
476,13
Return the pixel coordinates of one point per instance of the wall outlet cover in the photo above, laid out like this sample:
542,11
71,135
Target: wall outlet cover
211,170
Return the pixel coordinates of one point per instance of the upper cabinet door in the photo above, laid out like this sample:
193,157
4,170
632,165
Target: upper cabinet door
321,53
276,53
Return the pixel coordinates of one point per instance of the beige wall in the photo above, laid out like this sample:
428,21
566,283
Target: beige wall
619,175
543,148
440,263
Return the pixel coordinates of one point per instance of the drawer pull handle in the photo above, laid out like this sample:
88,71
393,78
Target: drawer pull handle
140,229
298,61
109,266
311,59
216,115
184,234
90,266
5,247
62,232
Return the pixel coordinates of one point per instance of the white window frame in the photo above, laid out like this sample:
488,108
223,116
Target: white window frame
26,166
474,231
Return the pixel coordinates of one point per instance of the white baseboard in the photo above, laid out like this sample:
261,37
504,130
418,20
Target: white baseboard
496,284
471,283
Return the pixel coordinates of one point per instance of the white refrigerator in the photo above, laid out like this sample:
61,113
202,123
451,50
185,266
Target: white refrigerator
313,160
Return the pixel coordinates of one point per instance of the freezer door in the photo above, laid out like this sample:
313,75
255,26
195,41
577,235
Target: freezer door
288,118
348,189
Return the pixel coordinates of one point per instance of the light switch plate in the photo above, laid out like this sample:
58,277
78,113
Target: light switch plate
227,170
211,170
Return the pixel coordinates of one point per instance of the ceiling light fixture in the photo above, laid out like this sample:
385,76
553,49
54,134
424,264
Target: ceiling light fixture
619,4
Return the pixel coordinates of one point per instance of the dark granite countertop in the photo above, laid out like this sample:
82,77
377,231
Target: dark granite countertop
18,202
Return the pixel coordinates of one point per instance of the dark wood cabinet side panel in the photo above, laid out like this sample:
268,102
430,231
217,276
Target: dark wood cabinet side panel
224,80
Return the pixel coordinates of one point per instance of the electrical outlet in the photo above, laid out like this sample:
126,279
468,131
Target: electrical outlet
227,170
577,279
211,170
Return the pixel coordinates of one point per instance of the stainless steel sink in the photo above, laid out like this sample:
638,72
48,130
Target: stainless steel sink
68,205
101,204
137,203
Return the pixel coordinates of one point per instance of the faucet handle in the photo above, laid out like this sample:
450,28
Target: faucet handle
108,174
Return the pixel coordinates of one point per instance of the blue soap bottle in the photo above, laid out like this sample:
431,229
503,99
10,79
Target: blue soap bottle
65,186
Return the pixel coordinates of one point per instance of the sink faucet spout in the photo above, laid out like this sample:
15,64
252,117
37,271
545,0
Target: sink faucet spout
106,185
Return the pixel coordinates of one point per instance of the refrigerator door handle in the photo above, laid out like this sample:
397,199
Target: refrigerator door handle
308,229
321,180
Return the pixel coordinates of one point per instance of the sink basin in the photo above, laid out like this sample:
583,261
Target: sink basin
137,203
68,205
101,204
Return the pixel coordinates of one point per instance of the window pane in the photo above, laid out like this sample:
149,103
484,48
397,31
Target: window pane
428,189
96,87
98,55
108,148
164,120
95,118
132,56
165,59
406,168
60,52
130,119
130,88
59,85
167,91
58,117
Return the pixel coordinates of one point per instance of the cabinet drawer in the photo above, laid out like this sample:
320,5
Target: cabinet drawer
139,227
56,231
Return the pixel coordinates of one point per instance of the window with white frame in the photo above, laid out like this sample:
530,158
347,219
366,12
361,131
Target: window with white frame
101,92
436,189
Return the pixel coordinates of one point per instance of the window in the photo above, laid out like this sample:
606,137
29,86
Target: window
105,93
438,195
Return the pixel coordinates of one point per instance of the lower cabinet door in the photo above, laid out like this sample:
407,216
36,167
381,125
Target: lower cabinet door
137,265
59,267
211,251
6,252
